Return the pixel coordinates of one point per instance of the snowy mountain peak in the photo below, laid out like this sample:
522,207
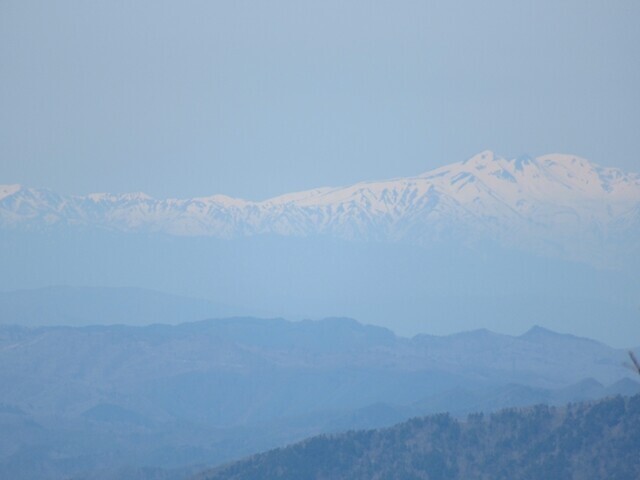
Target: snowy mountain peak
136,196
223,200
554,204
555,178
481,159
6,190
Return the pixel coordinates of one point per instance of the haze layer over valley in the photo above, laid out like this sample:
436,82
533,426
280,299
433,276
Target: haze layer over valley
487,242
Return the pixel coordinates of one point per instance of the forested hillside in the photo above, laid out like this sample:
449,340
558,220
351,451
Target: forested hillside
75,401
580,442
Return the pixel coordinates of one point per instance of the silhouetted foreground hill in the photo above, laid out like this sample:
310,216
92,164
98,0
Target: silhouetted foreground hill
579,442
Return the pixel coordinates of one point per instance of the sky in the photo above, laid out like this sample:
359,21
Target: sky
253,98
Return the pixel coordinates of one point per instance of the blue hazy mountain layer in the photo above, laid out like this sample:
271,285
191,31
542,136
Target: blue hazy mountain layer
410,290
81,400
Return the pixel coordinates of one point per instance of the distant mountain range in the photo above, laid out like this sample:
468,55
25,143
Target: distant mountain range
558,205
79,400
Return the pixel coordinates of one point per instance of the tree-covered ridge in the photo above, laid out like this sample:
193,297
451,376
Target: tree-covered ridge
579,442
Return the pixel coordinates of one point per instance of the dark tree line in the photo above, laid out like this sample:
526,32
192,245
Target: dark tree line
580,442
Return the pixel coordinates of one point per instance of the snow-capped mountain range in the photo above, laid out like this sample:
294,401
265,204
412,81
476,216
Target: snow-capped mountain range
555,204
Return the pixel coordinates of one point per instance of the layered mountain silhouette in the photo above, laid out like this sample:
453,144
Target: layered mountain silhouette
78,400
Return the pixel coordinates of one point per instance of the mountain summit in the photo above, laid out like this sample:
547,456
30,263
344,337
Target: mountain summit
556,204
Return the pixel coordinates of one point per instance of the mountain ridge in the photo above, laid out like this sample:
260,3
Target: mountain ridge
173,396
555,204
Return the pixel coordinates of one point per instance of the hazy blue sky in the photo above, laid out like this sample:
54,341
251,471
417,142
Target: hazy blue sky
257,98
